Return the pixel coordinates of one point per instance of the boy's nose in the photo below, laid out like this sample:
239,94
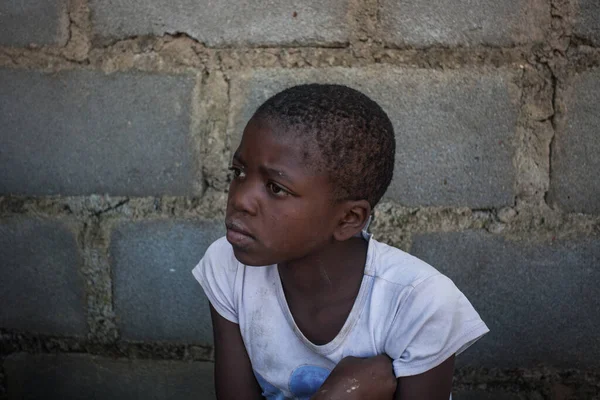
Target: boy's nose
243,197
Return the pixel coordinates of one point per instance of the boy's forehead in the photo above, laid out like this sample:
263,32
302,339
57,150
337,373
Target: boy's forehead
278,141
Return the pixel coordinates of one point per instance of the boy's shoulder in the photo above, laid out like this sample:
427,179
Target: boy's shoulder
396,267
221,252
385,263
219,246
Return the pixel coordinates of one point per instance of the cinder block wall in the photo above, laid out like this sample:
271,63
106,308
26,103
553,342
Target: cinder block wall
118,119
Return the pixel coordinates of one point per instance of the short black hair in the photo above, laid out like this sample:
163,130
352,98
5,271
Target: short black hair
354,136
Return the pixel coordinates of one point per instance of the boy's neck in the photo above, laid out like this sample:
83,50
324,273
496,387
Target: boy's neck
334,270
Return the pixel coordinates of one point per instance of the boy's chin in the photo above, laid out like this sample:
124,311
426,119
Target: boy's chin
251,260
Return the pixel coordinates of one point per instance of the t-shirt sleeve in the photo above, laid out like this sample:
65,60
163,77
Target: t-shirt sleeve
216,273
435,322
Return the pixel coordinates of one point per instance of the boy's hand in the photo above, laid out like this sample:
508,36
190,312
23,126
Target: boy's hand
359,378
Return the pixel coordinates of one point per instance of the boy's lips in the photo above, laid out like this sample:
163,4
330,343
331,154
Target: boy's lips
237,234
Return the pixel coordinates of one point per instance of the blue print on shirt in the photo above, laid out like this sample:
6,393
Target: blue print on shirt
304,382
269,391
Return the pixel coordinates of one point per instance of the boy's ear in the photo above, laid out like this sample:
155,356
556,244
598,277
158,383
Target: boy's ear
354,217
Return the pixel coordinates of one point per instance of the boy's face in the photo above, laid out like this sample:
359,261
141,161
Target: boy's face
278,208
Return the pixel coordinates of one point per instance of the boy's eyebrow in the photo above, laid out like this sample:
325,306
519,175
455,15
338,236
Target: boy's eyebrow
265,170
237,157
273,171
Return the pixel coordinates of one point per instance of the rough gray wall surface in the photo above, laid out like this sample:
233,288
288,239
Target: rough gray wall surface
575,182
27,22
82,376
219,23
156,297
518,288
454,129
421,23
118,122
483,395
41,289
83,132
588,20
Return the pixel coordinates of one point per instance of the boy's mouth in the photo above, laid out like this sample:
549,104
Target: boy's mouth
238,234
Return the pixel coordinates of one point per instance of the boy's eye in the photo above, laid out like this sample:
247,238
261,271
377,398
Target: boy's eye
237,172
277,190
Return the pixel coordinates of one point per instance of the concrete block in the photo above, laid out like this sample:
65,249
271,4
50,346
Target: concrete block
418,23
454,129
587,21
41,289
27,22
540,300
229,22
83,376
83,132
574,182
156,296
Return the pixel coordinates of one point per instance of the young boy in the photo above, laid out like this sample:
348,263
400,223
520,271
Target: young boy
305,304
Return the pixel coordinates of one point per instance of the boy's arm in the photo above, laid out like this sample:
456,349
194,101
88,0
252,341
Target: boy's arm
435,384
373,378
234,378
356,378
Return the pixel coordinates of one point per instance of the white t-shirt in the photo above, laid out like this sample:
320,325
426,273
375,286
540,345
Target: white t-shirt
405,308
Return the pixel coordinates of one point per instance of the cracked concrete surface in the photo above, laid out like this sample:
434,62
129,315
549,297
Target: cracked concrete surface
546,68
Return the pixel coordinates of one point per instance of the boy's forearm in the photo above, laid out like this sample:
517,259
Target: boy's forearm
356,378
